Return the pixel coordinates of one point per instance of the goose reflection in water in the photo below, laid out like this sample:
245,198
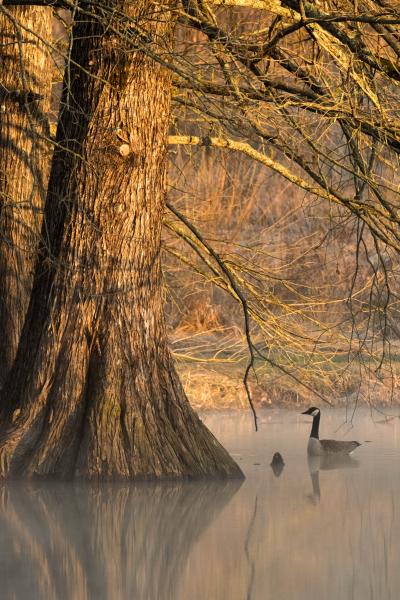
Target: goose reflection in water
110,541
327,463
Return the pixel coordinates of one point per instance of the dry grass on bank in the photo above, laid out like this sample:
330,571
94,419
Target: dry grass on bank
318,297
212,367
209,388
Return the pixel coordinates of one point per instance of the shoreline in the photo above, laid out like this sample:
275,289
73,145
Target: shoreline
208,389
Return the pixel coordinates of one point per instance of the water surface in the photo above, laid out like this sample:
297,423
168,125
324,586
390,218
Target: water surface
316,530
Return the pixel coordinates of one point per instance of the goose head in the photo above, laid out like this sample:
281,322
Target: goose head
313,411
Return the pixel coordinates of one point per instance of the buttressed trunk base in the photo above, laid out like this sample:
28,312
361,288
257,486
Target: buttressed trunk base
93,392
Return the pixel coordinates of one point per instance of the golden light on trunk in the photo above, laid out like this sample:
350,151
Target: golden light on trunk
93,392
25,87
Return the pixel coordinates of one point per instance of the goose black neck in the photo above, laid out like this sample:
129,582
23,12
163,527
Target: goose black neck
315,427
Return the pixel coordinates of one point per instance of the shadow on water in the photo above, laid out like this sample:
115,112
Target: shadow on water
111,541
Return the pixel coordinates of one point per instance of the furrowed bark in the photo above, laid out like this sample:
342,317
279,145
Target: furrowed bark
93,392
25,87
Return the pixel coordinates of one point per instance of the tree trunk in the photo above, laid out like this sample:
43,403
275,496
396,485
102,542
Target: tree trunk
25,86
93,392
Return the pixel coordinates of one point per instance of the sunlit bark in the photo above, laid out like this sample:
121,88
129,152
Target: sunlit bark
25,85
93,392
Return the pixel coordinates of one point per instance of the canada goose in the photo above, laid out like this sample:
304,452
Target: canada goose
320,447
277,464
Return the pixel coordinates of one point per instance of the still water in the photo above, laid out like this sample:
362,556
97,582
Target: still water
313,531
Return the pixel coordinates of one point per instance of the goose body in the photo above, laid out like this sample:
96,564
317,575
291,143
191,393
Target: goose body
317,447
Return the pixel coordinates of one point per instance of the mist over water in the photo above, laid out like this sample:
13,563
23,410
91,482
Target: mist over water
312,530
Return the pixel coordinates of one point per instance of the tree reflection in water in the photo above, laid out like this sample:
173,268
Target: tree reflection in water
61,541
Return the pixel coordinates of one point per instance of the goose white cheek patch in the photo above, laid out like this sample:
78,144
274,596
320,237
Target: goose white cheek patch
314,413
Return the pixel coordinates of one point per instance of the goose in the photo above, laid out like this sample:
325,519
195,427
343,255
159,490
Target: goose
322,447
